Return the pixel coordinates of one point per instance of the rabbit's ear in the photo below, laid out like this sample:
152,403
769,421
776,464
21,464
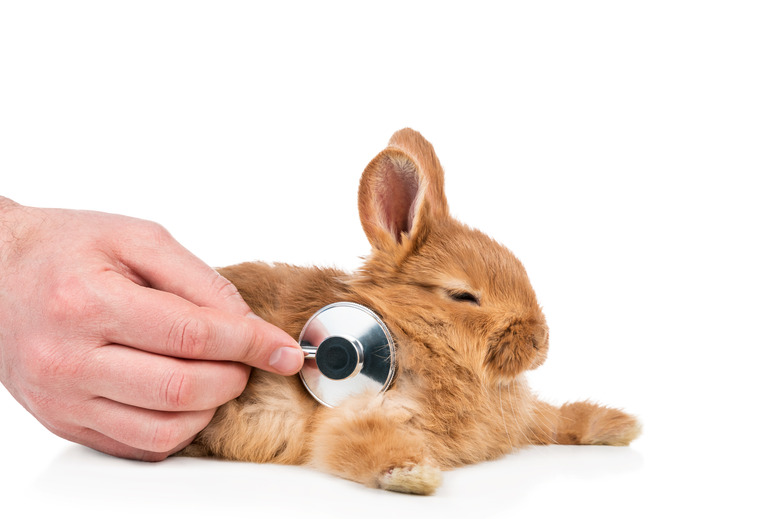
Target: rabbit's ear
402,192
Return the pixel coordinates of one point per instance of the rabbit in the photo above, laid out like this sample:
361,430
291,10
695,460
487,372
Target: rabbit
466,324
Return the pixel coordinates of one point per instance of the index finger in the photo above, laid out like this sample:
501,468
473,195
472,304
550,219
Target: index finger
165,264
163,323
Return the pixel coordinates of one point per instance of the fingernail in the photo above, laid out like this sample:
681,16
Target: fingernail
286,360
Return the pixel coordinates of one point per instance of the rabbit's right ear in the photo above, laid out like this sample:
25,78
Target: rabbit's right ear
402,193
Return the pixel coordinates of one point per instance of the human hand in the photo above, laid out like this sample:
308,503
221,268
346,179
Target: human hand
114,336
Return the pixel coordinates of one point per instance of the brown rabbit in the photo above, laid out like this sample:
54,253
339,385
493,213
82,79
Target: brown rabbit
466,325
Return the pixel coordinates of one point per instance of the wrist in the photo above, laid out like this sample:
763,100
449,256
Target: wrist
6,204
13,229
6,207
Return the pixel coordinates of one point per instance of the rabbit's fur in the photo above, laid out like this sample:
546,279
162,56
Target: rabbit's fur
466,325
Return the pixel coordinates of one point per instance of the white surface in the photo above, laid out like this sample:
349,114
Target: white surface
628,155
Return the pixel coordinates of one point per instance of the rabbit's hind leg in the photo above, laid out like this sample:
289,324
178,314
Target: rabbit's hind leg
585,423
376,446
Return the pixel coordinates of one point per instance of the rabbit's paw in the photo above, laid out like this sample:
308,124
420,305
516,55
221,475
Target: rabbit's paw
586,423
414,479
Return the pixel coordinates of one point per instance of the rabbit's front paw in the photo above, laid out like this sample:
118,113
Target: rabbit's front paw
414,479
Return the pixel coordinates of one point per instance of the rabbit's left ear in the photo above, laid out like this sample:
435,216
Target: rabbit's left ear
402,193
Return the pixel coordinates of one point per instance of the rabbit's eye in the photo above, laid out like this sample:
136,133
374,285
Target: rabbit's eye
464,297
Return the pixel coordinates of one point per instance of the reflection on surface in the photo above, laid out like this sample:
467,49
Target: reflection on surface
89,480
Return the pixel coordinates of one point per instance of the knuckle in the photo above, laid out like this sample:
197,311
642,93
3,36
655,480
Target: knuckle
166,436
156,233
250,344
177,391
39,404
190,337
43,365
224,288
51,411
71,296
226,295
30,364
241,374
153,457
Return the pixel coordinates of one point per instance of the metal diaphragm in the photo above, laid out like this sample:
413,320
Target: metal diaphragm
349,351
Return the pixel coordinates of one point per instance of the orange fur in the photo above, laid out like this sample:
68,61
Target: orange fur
466,324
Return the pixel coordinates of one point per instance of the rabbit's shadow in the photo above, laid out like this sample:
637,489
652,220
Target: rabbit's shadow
96,481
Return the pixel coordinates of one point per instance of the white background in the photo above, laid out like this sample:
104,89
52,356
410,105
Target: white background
627,153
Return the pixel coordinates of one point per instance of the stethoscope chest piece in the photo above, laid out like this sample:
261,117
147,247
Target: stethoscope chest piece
349,351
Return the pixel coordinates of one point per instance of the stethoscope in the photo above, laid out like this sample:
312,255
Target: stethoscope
348,352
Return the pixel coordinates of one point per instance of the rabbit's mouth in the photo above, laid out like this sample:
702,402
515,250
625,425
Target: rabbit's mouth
519,346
